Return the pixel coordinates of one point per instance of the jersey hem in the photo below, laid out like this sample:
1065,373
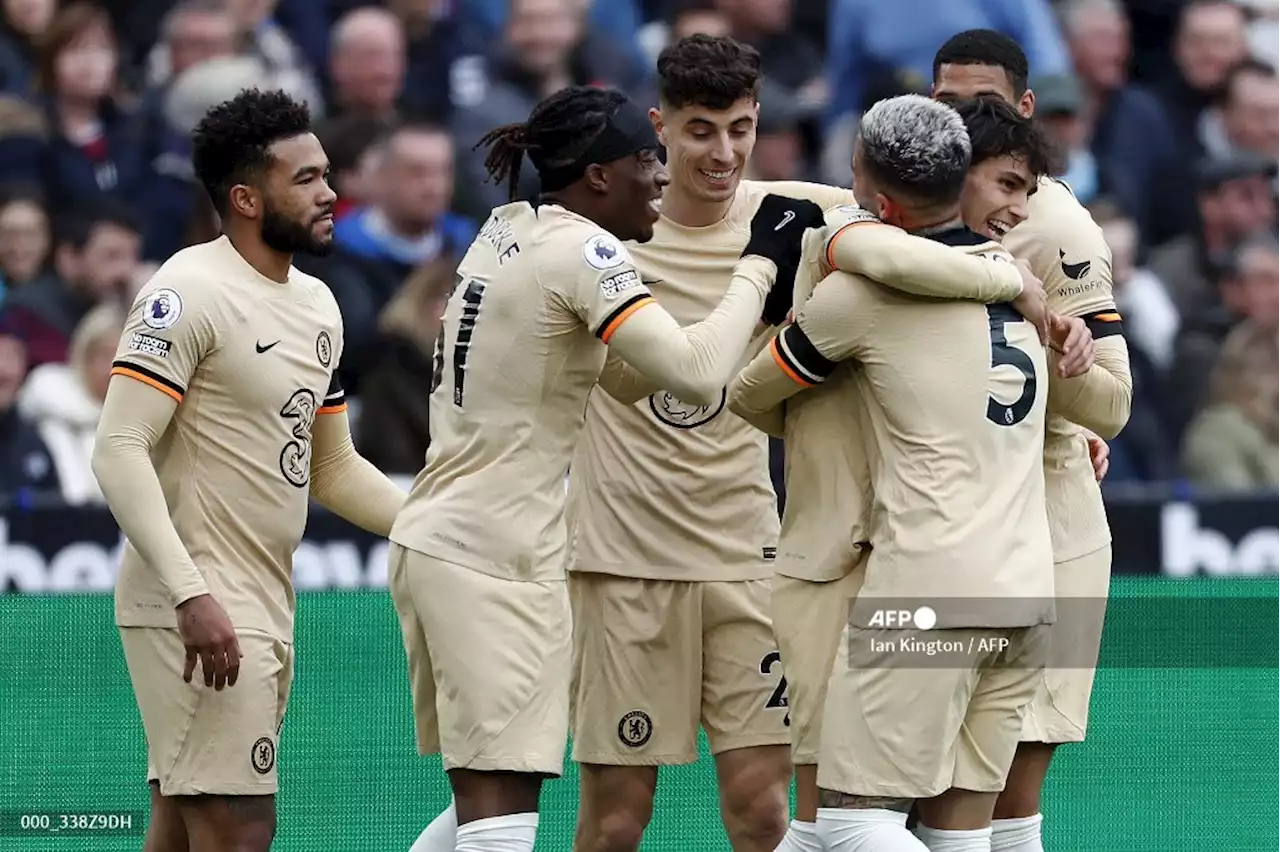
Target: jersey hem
725,574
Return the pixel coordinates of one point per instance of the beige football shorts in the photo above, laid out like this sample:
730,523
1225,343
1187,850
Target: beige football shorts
206,741
653,659
808,622
1060,711
898,725
488,664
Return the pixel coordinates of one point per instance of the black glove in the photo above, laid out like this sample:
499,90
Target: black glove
777,230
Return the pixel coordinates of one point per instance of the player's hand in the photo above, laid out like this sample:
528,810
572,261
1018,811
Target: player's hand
777,233
1099,455
1033,304
207,634
1071,337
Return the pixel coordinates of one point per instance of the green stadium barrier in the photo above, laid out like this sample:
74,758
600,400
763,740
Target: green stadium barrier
1182,753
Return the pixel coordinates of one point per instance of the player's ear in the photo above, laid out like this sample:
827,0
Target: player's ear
245,201
597,178
887,210
659,127
1027,104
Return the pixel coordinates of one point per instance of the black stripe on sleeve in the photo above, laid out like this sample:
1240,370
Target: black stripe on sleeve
1104,324
150,374
603,328
802,356
336,394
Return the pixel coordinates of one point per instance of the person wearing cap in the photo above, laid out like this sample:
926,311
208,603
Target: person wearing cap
1232,197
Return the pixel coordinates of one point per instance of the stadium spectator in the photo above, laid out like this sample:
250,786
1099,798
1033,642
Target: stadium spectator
779,150
1151,320
1232,199
1247,291
616,20
1144,450
903,35
394,430
1231,443
24,240
545,48
25,464
1059,102
194,33
64,401
1209,41
436,41
1247,116
1127,130
350,143
93,146
366,64
22,25
786,58
95,258
258,35
407,225
682,18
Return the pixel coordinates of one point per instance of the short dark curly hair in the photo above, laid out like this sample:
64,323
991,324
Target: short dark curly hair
985,47
231,143
996,129
713,72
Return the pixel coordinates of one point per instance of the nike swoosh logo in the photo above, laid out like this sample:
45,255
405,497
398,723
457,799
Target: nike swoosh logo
786,217
262,348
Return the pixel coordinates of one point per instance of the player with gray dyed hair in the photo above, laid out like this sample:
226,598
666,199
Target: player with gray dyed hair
916,149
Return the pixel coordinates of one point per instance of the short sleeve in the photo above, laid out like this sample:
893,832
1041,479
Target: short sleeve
167,334
605,287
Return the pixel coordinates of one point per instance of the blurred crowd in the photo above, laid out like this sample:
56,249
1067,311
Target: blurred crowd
1165,112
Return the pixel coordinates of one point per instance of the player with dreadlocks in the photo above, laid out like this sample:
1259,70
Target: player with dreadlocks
477,562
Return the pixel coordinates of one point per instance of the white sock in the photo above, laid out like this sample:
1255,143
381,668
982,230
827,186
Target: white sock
800,837
512,833
944,840
1016,835
441,834
866,830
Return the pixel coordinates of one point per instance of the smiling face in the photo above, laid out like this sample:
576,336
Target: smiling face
996,192
707,149
634,191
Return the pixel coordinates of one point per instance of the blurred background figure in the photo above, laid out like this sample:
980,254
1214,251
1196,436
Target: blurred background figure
26,468
64,401
1231,443
24,240
95,259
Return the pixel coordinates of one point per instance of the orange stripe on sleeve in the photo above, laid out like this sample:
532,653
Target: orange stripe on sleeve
616,322
1112,317
782,364
332,409
831,243
147,380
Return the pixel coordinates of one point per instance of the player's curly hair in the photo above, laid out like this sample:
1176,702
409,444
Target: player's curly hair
558,132
713,72
985,47
996,129
230,144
